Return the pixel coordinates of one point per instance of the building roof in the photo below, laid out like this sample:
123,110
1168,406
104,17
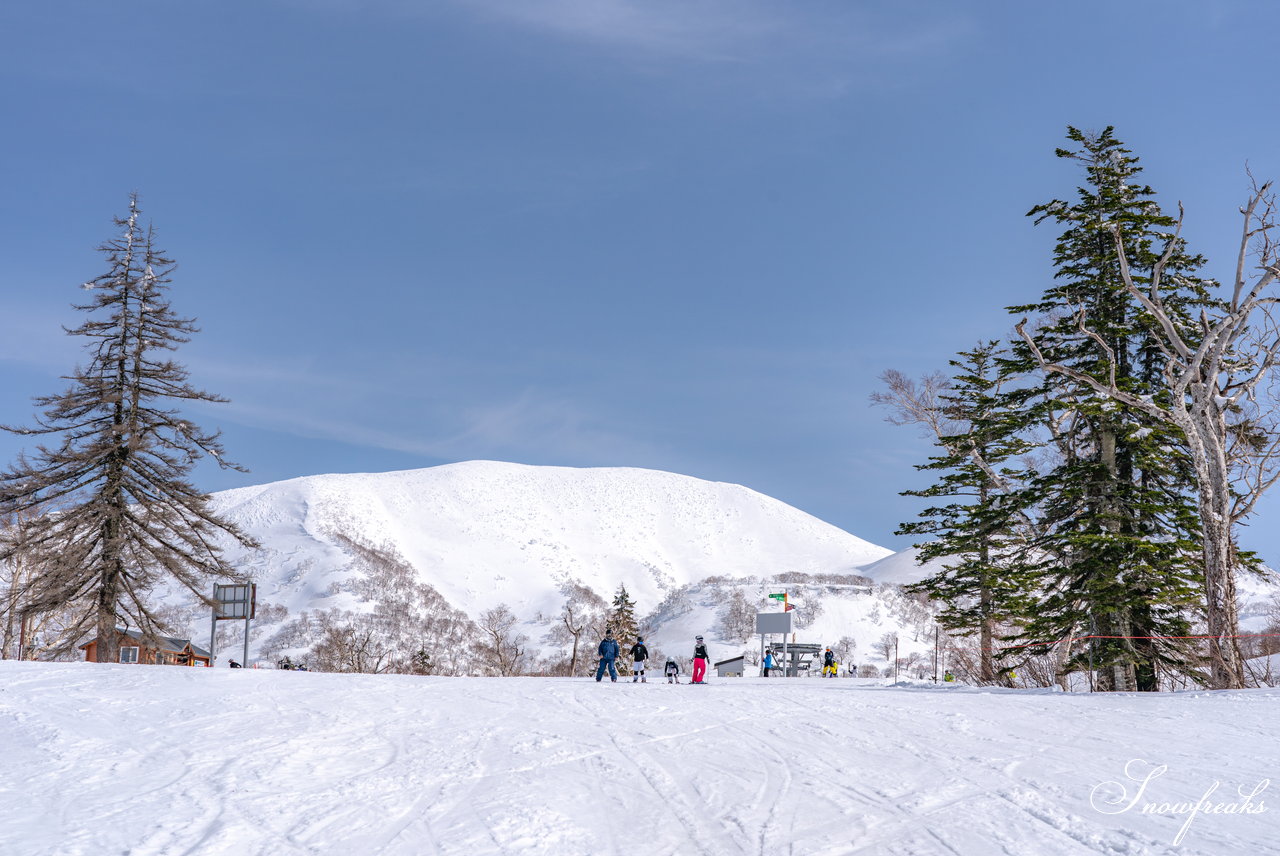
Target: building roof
169,643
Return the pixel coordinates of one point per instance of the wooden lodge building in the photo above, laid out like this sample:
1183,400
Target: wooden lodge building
135,649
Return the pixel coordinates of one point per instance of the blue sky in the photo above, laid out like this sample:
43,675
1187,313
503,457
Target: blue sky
668,234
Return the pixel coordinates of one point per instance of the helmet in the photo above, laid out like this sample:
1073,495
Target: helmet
639,638
697,639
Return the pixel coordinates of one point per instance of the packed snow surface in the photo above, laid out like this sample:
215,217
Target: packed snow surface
161,761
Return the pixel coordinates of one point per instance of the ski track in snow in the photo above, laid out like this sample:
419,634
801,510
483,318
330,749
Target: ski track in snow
167,761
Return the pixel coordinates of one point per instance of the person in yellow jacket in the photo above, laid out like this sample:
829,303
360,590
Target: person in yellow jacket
830,668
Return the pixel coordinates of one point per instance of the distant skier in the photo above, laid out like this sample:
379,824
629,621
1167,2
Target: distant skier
699,661
768,664
672,671
639,654
829,668
233,664
608,653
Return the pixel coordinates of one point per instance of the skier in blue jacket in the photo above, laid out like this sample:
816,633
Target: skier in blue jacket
608,653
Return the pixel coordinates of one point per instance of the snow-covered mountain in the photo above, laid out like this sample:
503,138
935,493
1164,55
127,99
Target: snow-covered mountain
484,533
902,568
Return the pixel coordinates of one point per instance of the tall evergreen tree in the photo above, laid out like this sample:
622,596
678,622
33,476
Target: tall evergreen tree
118,511
1118,530
622,621
982,532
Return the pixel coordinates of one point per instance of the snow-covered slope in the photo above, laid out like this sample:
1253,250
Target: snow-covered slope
901,568
485,533
1258,597
165,760
851,618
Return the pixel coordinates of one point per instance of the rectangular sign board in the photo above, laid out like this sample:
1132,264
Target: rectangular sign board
235,601
773,622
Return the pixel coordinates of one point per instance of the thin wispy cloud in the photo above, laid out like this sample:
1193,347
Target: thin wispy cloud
703,31
550,426
526,425
737,31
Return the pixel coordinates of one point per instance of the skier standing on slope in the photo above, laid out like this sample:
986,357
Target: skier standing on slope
608,651
699,661
829,664
672,671
639,654
768,664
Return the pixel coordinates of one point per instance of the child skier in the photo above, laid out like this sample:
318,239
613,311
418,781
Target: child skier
672,671
829,667
639,654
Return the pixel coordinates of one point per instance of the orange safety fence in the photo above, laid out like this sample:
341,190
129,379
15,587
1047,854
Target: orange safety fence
1072,639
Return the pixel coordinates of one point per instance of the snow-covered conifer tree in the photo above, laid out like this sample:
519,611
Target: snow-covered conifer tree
1118,532
118,512
982,531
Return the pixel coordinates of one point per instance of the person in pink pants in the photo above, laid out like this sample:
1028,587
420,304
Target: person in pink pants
699,660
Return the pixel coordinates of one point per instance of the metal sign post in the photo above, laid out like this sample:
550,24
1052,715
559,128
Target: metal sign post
235,601
774,622
935,653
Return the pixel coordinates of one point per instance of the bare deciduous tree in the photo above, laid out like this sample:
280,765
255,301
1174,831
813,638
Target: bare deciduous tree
30,636
583,615
501,647
844,649
411,629
912,403
886,645
356,644
737,618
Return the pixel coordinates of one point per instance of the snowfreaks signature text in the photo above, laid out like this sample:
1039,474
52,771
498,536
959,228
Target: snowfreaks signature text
1114,798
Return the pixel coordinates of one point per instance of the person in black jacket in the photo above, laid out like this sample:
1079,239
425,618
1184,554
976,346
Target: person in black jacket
699,660
672,672
639,654
608,651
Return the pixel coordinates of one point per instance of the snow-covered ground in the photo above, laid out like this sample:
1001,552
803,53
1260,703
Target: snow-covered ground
161,761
